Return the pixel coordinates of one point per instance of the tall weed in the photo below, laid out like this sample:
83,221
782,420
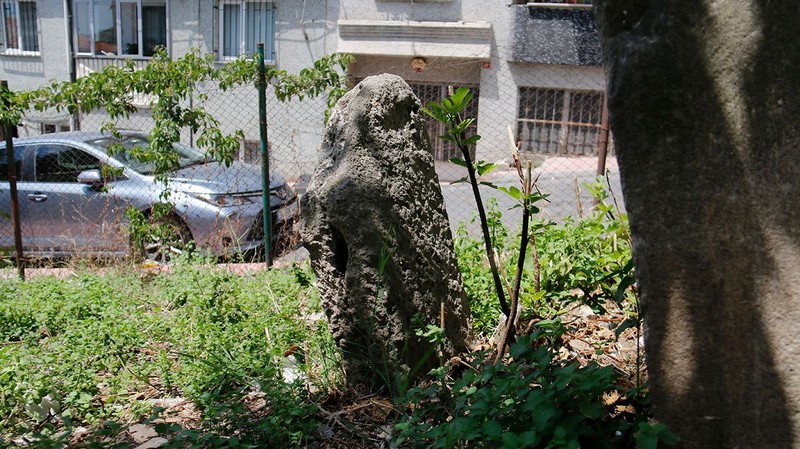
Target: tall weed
580,261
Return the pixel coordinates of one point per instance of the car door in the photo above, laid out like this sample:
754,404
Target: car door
7,245
67,216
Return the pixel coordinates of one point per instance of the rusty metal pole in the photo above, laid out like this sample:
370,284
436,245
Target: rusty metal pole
602,144
8,132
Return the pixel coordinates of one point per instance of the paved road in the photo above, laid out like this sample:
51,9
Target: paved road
557,179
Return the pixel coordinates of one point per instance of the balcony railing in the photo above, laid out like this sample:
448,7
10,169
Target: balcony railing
85,65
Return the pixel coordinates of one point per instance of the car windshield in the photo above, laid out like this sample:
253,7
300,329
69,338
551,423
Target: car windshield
131,144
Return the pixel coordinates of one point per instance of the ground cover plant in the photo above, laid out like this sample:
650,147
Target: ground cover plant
92,348
83,359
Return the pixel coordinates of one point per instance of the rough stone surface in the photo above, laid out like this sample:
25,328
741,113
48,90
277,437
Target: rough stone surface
377,232
705,111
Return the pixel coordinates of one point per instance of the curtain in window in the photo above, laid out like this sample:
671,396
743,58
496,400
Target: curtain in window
129,27
10,25
245,24
154,28
27,25
19,25
231,17
256,27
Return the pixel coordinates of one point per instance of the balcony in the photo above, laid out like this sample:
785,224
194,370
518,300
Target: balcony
555,33
471,40
85,65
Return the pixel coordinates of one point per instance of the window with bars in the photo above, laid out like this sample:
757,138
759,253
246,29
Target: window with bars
442,149
20,33
559,121
242,25
120,27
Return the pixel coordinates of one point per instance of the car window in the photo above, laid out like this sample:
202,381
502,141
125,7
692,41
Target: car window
18,156
62,163
131,148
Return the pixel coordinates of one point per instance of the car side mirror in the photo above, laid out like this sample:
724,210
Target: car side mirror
91,177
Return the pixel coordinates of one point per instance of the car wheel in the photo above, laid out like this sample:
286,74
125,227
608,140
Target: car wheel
166,240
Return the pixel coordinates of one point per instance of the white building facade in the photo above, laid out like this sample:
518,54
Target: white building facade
534,67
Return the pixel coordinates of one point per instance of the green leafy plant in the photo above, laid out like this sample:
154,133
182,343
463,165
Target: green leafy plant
97,345
448,112
536,401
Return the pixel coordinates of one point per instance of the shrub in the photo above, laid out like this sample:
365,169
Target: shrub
536,401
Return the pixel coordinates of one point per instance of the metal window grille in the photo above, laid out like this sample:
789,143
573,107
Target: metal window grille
19,26
442,149
243,24
559,121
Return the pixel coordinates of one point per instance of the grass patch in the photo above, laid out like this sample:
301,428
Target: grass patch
103,351
99,347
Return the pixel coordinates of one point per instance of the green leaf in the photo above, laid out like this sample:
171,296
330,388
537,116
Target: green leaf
459,161
449,138
624,283
436,112
625,325
463,126
460,99
513,192
471,140
483,167
647,436
492,428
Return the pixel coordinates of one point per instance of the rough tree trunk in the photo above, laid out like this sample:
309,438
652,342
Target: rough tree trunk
705,110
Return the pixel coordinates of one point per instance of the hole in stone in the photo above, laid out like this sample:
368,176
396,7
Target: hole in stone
340,252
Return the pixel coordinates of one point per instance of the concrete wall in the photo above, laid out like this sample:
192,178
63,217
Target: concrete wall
190,23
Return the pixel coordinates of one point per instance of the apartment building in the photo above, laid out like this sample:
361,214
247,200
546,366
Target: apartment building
533,66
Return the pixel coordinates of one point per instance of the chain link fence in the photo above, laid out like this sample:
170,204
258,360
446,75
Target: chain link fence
555,113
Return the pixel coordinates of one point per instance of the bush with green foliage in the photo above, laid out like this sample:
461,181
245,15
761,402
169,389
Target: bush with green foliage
95,344
534,401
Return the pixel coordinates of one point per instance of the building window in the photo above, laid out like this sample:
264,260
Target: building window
243,24
120,27
49,128
559,121
442,149
19,29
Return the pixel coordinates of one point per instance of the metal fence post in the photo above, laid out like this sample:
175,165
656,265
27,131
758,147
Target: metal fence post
602,147
8,133
262,125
